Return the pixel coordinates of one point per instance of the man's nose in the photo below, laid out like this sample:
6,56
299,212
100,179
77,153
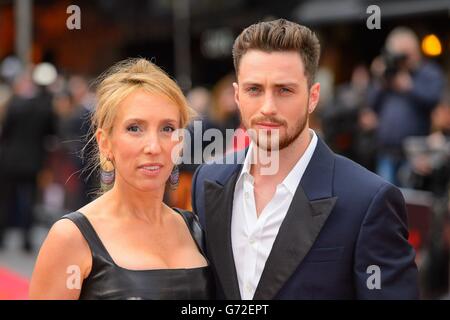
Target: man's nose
268,107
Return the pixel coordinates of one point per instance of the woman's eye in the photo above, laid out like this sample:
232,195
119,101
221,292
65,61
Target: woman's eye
168,129
133,128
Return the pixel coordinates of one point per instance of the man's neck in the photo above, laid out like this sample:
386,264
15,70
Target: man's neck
284,162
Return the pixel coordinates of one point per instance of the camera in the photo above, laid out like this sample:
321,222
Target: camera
394,62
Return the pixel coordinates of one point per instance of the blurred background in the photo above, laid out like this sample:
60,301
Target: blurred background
385,102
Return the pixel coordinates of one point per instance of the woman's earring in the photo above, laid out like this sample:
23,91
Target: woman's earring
174,178
107,174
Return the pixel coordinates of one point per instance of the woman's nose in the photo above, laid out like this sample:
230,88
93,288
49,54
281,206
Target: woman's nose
152,145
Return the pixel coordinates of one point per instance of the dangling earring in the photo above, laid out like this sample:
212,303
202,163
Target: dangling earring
174,178
107,174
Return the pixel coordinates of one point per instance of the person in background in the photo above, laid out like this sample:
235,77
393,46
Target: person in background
223,115
347,124
405,90
429,170
28,120
83,102
218,113
199,99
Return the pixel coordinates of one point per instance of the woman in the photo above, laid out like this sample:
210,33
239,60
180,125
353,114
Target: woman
127,244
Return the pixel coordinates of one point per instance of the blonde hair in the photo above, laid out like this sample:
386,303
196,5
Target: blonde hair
116,84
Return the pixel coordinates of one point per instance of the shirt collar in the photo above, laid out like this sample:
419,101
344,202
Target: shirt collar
292,180
245,172
295,175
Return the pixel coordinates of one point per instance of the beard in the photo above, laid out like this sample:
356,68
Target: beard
272,140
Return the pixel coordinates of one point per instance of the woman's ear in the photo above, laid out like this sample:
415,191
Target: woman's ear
103,143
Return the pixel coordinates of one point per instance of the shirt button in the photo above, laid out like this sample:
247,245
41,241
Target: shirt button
248,287
252,241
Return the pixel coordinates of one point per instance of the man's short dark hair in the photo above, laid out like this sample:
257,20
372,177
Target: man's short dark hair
280,35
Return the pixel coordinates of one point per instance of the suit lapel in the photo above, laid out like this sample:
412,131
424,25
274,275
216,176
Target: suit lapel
219,205
310,208
297,234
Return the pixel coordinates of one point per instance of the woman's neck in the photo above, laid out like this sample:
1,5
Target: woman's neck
126,201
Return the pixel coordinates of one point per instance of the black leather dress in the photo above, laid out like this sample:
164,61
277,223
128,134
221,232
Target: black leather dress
110,281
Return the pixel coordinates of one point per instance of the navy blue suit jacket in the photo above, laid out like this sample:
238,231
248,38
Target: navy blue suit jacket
343,221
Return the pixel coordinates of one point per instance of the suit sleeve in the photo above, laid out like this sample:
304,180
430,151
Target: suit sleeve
384,264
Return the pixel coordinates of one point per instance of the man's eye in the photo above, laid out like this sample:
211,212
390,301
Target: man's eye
285,90
253,89
133,128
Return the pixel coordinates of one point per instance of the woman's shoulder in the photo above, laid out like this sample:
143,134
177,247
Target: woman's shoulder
69,232
64,246
194,226
189,216
63,251
65,236
183,212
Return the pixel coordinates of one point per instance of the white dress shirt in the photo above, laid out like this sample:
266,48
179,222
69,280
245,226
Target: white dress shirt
252,238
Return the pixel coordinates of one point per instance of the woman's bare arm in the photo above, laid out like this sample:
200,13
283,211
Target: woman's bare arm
63,263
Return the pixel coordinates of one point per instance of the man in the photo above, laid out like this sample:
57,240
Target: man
320,226
28,120
405,90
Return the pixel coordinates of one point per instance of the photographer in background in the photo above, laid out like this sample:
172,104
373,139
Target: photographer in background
429,159
405,90
347,124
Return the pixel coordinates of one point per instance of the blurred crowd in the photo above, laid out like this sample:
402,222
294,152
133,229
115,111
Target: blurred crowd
42,128
392,117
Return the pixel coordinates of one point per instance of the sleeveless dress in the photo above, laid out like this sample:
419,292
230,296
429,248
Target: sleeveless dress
110,281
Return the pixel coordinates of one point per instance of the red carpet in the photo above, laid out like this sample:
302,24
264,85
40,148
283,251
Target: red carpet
12,285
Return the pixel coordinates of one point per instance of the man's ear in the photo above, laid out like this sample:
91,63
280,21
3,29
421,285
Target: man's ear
236,93
103,143
314,95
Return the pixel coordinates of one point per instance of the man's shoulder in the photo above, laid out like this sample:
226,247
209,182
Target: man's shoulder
355,178
359,189
221,167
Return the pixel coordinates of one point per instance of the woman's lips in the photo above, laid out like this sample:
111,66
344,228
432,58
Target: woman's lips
150,169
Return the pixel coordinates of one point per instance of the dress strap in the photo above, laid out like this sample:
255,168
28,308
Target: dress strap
194,227
87,230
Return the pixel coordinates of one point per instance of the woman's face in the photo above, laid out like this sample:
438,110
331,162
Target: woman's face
141,143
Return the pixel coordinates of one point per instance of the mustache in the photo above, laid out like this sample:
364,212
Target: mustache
271,119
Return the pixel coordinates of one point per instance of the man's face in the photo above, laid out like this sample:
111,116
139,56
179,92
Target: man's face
273,97
407,46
